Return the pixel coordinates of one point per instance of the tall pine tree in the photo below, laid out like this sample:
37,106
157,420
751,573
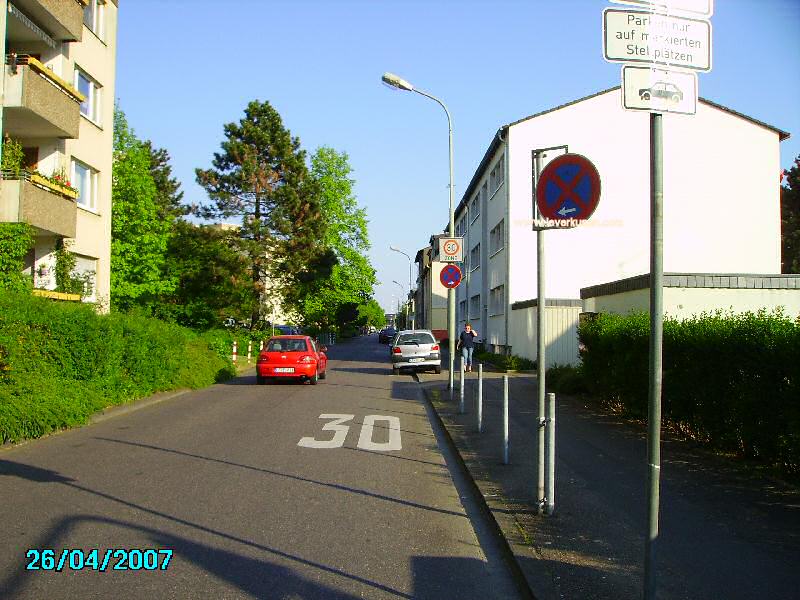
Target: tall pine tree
260,177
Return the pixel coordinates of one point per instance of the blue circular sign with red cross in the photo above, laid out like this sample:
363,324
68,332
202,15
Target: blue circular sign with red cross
568,188
450,276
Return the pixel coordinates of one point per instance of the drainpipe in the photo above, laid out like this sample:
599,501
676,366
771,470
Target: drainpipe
3,18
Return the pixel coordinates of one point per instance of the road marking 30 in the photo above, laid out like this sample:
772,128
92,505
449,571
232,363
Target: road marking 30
365,441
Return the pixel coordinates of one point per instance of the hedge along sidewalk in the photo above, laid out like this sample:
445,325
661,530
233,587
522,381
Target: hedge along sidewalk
732,380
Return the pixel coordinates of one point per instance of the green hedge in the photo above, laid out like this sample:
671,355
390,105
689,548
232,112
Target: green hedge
504,362
61,362
731,380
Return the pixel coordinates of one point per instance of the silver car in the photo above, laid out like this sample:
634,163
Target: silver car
415,349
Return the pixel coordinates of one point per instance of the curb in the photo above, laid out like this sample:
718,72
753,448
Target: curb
495,512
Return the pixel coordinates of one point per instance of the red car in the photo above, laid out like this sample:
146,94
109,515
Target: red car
292,356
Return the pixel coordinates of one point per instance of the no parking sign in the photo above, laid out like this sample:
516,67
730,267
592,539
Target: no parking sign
450,276
568,188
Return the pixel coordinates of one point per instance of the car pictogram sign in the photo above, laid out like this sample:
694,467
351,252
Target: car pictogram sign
450,276
568,188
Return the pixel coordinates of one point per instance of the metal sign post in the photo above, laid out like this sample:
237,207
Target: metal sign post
655,363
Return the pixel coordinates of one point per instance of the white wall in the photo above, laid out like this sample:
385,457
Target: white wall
561,334
720,196
683,303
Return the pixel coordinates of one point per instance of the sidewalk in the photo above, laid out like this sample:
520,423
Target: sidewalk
724,532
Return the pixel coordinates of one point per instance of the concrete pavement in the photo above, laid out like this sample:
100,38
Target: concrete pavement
725,532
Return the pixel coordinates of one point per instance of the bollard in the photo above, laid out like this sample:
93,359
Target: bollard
235,347
261,346
550,482
249,351
480,397
505,419
461,387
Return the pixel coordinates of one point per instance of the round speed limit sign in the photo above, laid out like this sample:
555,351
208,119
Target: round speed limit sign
451,247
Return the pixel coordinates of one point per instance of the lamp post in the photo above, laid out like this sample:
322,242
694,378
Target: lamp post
405,311
410,287
401,84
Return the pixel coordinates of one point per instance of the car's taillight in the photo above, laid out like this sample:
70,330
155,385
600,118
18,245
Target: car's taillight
306,359
397,350
263,357
435,347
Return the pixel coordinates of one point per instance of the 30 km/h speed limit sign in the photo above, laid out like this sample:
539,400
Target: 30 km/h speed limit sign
451,249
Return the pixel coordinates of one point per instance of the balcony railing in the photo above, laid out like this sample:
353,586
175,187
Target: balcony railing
43,182
17,60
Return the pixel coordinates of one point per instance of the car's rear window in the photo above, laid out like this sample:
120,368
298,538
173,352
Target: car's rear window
418,337
287,346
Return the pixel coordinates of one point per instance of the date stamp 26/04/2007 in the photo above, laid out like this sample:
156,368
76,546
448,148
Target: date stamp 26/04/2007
96,559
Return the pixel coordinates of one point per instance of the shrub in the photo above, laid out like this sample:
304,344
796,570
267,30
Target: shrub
566,379
730,379
61,362
506,362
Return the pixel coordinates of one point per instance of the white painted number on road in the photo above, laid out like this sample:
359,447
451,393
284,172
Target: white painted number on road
338,438
365,441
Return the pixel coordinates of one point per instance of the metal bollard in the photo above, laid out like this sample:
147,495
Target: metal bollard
505,419
235,350
550,482
480,397
461,387
249,351
261,346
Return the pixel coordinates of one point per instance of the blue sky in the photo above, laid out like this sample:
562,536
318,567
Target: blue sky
186,67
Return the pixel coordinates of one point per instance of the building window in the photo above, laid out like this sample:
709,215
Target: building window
462,311
501,173
90,107
496,238
86,271
475,307
475,257
475,208
94,17
85,179
484,192
497,300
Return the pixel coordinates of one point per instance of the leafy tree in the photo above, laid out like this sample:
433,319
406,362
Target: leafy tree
790,220
16,240
334,300
261,177
139,231
371,313
213,279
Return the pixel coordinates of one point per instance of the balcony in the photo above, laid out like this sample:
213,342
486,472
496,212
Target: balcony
38,103
33,199
45,20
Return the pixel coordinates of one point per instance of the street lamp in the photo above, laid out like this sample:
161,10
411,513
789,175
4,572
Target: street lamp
402,291
410,287
401,84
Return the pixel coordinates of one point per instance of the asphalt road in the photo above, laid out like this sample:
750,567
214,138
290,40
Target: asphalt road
236,480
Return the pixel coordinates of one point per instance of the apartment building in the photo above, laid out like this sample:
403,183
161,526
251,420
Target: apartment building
721,216
58,105
430,297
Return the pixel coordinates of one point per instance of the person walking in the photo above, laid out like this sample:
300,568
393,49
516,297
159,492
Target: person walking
466,343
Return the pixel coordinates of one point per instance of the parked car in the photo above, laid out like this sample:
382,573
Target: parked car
292,357
415,349
662,89
386,335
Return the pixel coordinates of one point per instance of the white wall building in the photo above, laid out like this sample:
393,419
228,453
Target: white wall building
721,212
58,103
